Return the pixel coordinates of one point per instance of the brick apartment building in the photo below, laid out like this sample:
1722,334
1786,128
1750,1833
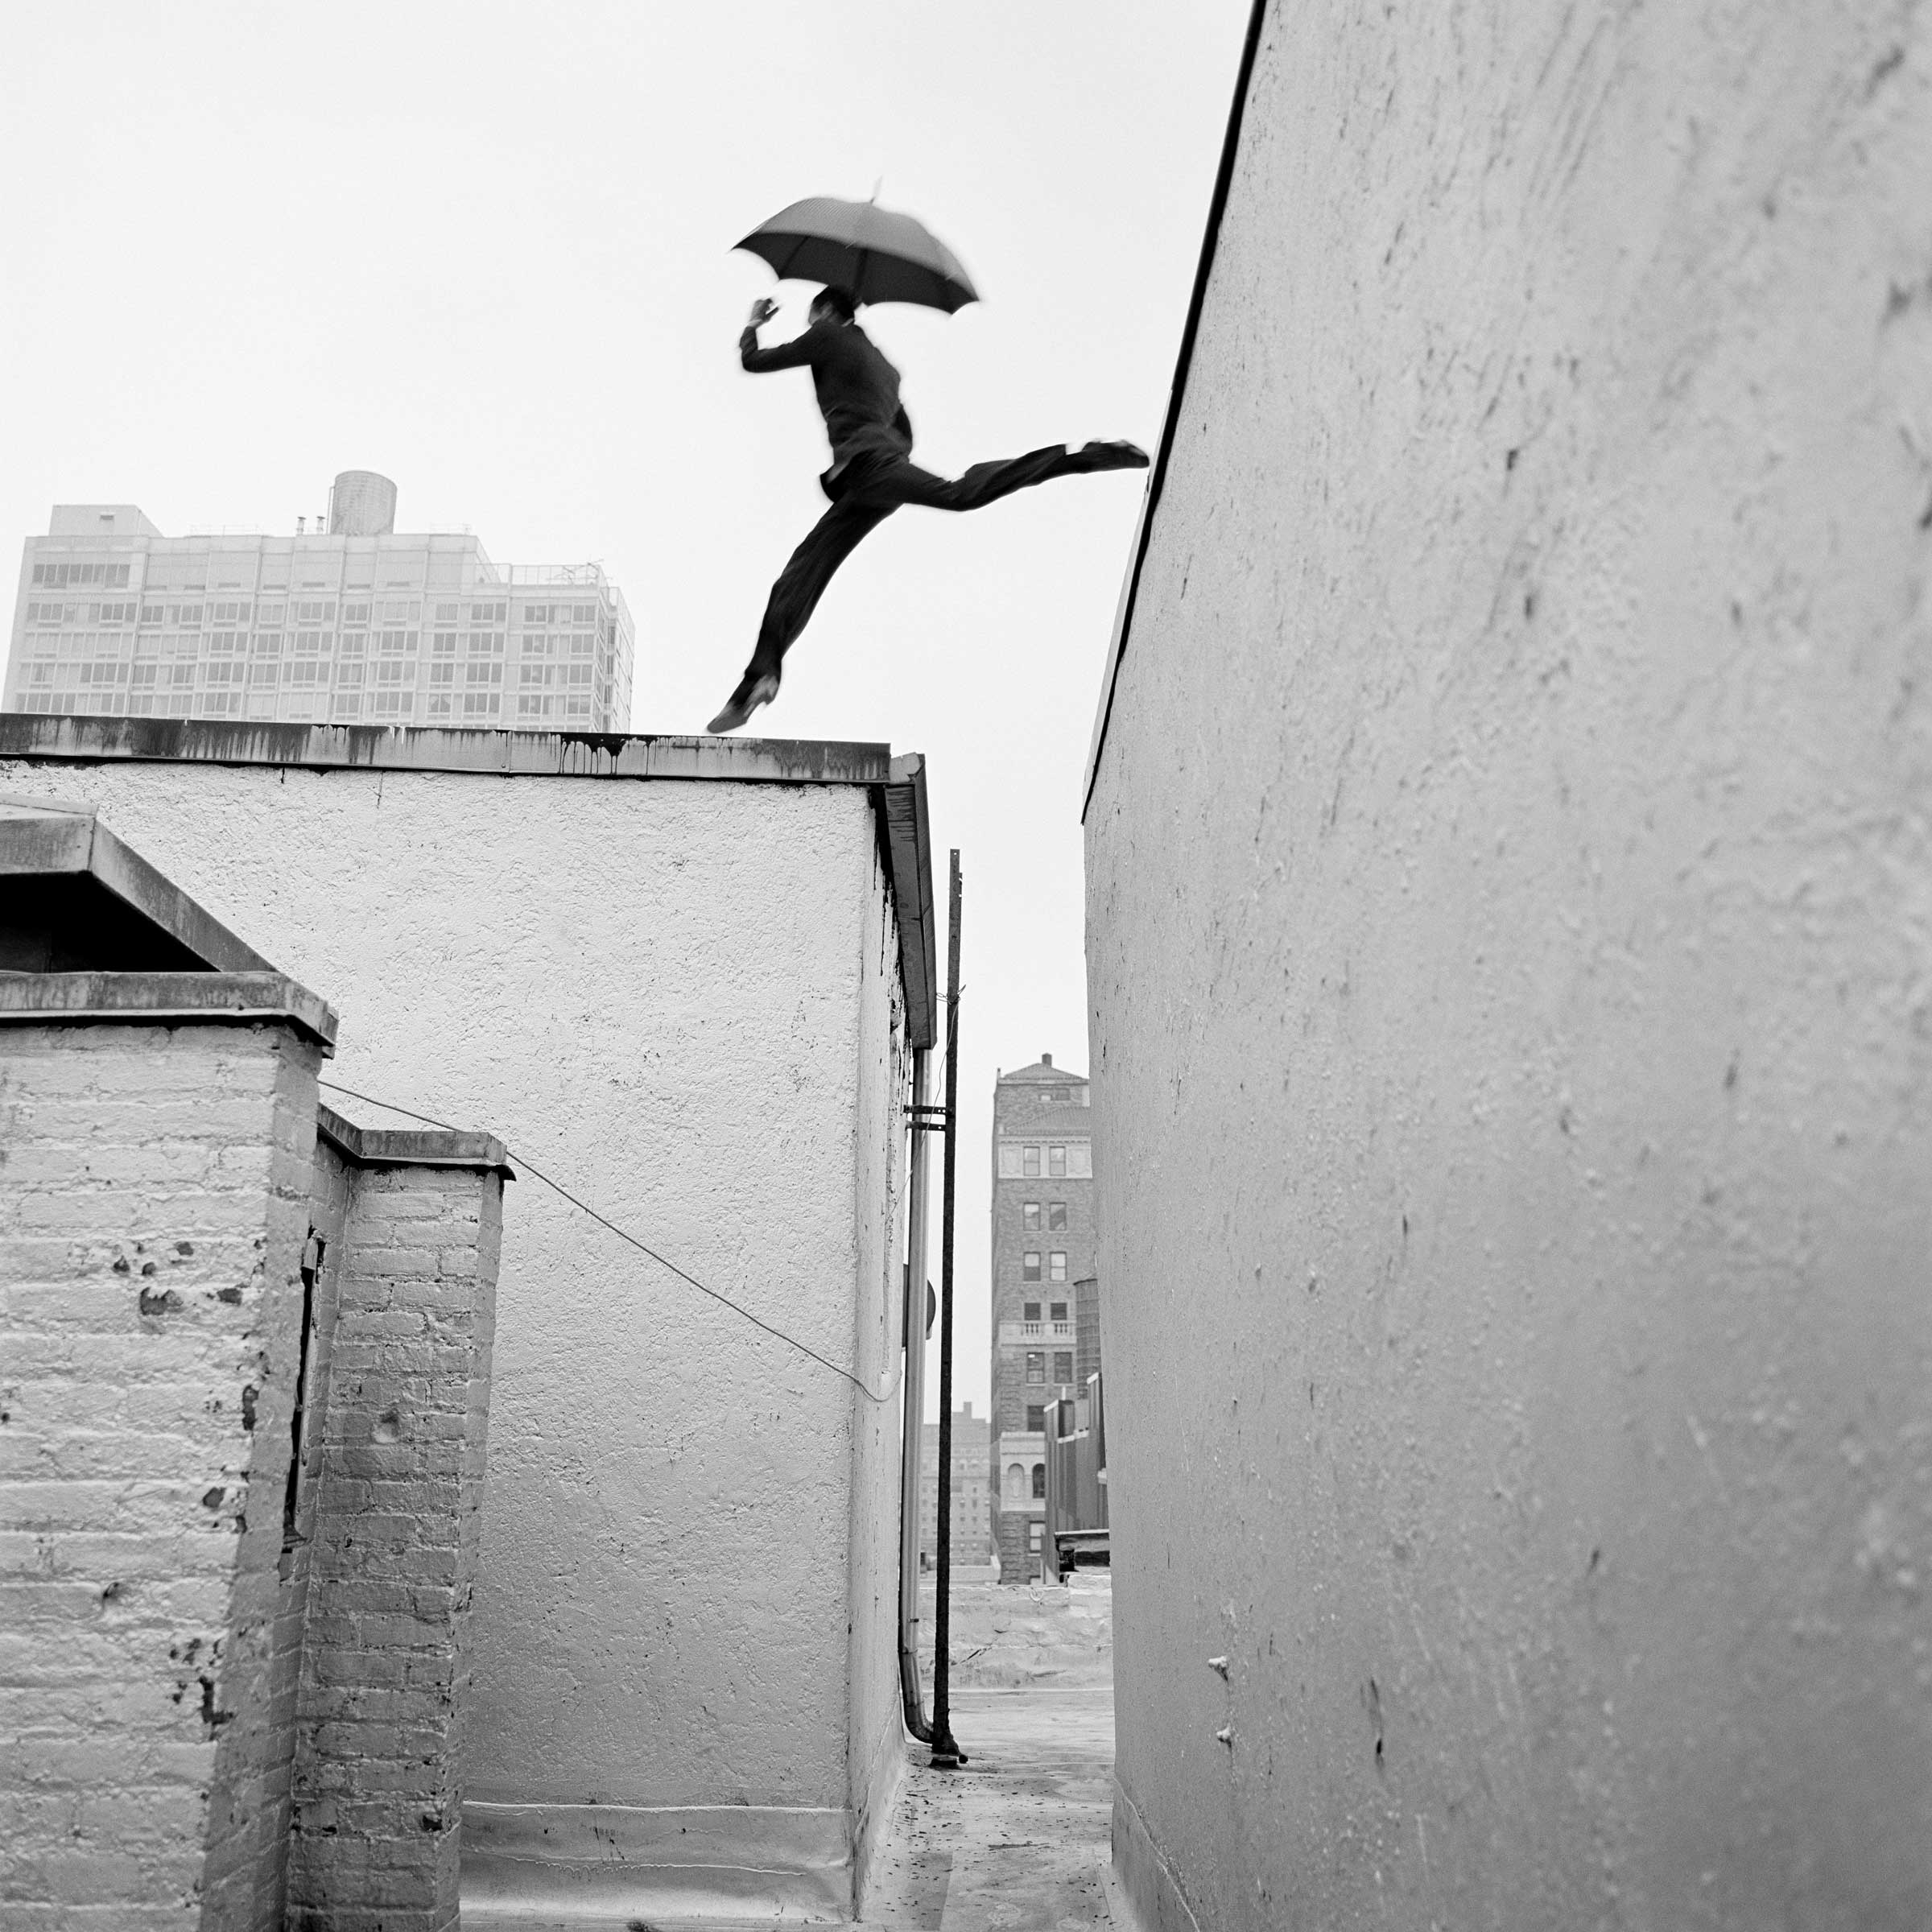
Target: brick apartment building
1043,1244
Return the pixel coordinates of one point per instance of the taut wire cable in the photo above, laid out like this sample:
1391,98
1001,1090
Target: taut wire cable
532,1168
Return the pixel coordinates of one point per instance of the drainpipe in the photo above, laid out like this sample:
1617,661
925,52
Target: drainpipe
922,1123
947,1755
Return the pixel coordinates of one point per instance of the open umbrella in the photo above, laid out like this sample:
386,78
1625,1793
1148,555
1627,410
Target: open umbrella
880,256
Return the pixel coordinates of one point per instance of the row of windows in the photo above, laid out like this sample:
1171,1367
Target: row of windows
1056,1265
1056,1215
443,644
116,695
1029,1311
271,644
232,611
453,704
301,671
1063,1364
314,610
55,575
1073,1161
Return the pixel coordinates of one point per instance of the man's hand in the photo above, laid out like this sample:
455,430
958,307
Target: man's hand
762,311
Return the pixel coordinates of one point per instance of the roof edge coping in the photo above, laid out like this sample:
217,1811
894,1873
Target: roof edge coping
59,737
164,999
412,1146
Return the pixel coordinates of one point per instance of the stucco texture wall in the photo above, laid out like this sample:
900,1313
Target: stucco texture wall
1510,946
653,991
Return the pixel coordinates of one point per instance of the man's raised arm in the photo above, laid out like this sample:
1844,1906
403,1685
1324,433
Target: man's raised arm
795,354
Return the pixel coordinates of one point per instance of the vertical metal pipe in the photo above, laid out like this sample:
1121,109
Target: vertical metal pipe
946,1753
916,1190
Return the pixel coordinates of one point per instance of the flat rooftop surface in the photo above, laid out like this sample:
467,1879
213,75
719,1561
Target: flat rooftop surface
1019,1837
1017,1840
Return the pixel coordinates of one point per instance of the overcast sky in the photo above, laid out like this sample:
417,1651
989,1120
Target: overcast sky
485,249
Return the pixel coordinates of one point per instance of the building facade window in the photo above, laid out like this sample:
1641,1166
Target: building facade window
1056,1311
1056,1266
1029,1265
1036,1418
1029,1311
1063,1364
1036,1365
1030,1163
1056,1214
1039,1480
1029,1214
1056,1163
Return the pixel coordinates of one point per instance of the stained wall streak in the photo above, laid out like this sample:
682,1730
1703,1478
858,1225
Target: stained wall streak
1510,944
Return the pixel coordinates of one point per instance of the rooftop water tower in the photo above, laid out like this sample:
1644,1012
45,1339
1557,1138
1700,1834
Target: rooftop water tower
362,503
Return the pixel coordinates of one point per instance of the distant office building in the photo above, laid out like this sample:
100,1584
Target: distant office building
1086,1330
971,1506
1043,1244
350,624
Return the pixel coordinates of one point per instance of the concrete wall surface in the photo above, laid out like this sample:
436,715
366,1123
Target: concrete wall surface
679,1000
1510,945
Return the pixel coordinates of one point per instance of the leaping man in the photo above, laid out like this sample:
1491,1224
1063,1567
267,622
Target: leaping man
872,472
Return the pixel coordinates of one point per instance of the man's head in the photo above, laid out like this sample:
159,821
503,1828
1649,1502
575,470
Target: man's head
835,305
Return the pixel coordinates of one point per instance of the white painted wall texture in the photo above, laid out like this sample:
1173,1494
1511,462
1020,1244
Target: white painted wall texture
681,999
152,1215
1510,943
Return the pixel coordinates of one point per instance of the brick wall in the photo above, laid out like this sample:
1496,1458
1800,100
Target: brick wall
151,1223
410,1276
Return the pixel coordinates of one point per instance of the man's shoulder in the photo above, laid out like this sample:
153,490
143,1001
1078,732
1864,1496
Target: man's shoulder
860,346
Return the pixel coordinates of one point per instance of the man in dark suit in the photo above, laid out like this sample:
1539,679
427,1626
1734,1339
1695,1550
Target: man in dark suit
872,473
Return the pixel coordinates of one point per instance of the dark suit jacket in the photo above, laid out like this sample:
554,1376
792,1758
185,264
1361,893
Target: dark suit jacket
857,389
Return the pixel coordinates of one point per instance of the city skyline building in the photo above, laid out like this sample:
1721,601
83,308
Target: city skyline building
1043,1243
971,1507
353,624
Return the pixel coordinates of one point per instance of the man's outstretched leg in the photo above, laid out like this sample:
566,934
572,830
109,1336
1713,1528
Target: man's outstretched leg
874,490
987,482
793,597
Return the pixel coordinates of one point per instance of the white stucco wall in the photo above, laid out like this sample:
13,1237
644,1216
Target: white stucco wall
681,1000
1510,945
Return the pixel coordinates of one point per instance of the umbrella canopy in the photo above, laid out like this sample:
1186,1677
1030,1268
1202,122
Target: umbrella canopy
880,256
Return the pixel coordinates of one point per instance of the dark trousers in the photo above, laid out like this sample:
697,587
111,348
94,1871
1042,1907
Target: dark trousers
869,489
